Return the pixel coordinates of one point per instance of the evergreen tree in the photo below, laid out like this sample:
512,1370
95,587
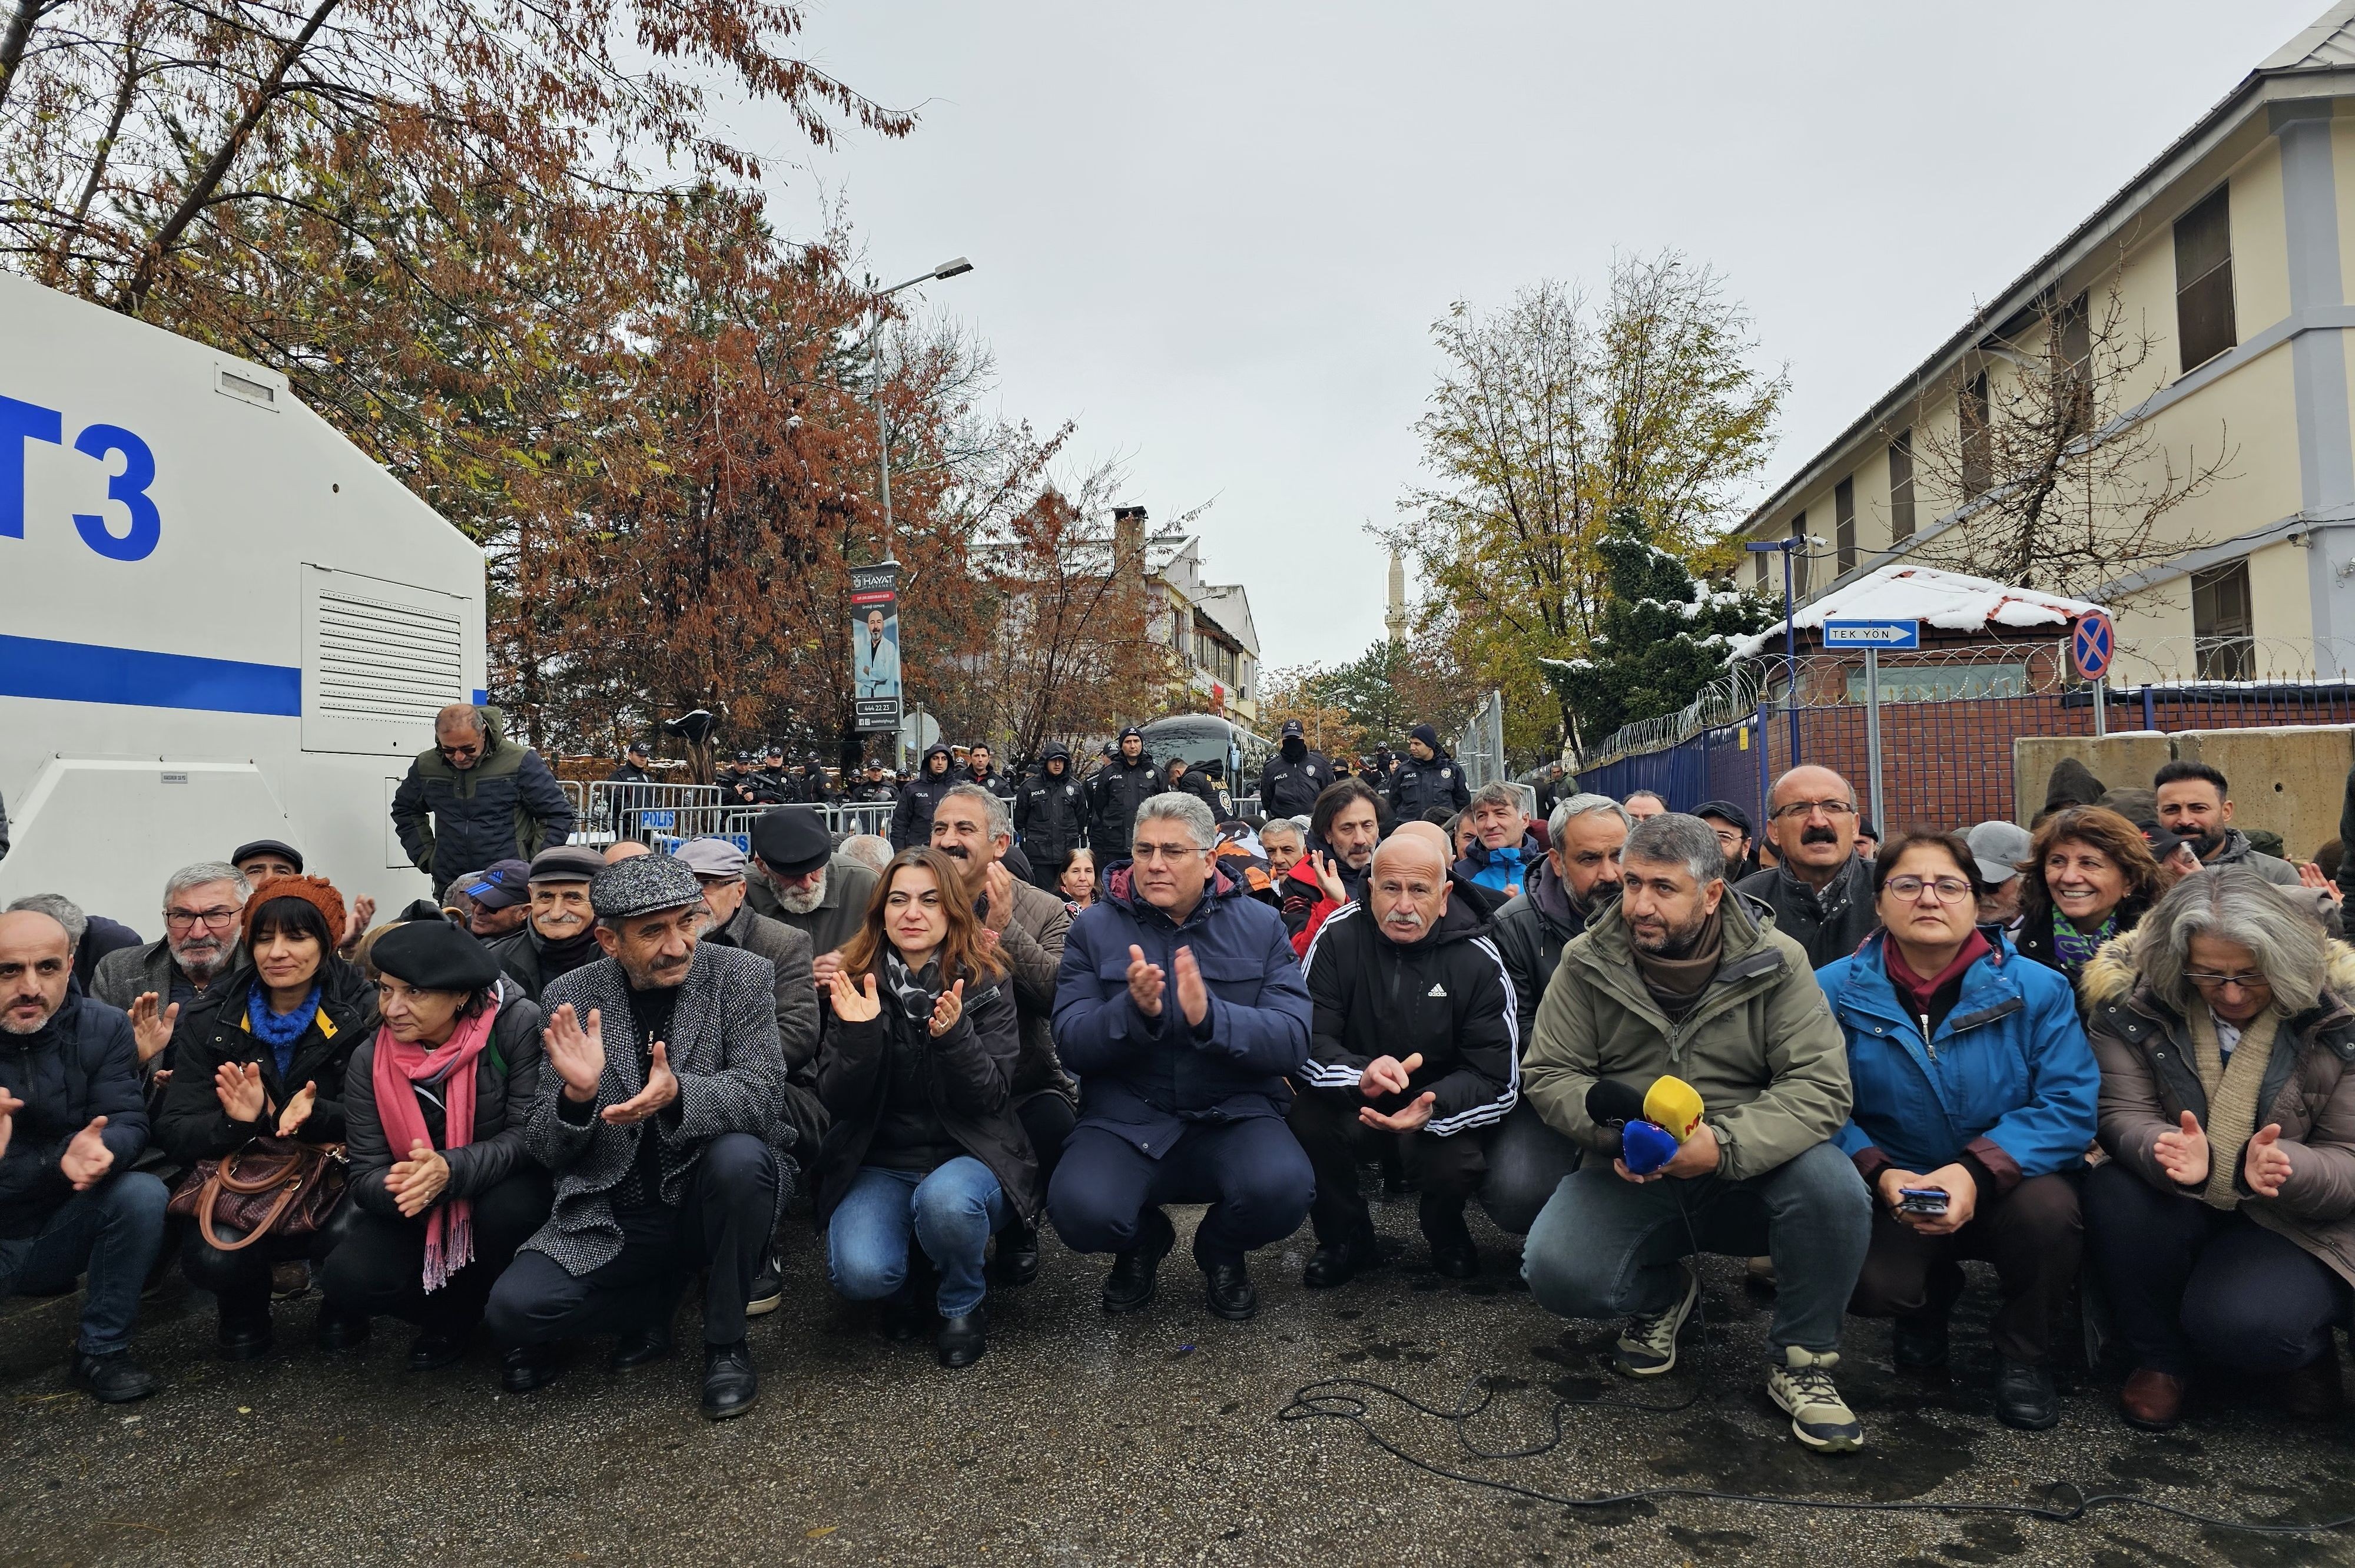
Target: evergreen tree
1661,636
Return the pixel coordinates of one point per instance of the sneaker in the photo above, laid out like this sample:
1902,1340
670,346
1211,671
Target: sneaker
1802,1385
112,1378
1647,1345
768,1288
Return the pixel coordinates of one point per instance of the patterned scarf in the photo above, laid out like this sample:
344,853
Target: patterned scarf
2075,948
279,1031
917,998
399,1069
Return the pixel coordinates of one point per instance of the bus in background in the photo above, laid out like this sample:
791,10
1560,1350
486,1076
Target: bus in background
1203,739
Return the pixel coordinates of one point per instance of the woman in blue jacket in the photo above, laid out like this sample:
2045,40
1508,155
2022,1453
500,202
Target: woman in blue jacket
1974,1084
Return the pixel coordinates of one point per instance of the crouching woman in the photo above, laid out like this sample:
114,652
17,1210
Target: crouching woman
434,1107
917,1072
2223,1225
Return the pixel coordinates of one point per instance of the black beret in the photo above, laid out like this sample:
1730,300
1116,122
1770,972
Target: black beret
792,840
434,955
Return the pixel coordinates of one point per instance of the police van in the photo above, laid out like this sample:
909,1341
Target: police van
219,620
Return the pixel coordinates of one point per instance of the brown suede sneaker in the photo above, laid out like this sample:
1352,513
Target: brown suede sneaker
2152,1401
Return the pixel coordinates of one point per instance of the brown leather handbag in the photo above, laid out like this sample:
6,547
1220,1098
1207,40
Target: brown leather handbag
270,1186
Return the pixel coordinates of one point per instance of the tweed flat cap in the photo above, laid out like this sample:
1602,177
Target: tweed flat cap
711,857
642,884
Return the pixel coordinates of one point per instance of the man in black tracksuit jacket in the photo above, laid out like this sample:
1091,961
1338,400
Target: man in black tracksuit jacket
1415,1035
1127,780
1050,814
1294,776
1427,779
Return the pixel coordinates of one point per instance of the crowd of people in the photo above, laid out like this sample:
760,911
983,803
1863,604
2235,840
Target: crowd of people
539,1106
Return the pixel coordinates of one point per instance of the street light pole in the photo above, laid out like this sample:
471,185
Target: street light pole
954,267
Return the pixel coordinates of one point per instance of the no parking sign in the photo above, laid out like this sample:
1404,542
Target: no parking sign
2093,645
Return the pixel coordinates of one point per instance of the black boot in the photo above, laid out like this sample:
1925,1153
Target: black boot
1453,1254
528,1366
1228,1288
1339,1263
341,1331
436,1348
1017,1253
650,1342
1131,1284
962,1340
245,1338
730,1387
2024,1395
1919,1344
113,1379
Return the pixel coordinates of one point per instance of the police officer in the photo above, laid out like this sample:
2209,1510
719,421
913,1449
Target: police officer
1428,779
1050,814
1294,777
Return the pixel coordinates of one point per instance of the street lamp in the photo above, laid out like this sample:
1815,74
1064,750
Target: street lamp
955,266
1790,631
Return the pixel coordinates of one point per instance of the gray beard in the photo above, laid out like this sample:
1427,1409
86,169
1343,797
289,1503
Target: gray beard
797,903
206,970
20,1033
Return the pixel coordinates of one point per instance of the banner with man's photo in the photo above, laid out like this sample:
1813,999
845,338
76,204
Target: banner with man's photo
875,647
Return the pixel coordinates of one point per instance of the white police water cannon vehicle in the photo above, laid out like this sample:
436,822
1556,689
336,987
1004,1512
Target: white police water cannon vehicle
221,622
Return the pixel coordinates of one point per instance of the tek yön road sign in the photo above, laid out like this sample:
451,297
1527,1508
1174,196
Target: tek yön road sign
1872,634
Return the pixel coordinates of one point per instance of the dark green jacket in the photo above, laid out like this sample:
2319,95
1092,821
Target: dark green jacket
508,806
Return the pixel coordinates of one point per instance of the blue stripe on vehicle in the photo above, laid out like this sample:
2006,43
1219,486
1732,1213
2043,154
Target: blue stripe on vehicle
89,672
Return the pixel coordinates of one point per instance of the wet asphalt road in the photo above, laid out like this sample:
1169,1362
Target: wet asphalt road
1154,1438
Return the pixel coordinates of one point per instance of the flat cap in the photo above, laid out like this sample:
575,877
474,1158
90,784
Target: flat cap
642,884
278,846
792,840
711,857
434,955
567,863
502,885
1725,811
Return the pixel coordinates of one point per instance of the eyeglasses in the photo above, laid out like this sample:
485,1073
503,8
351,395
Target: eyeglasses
2218,982
1799,808
1172,853
454,752
187,919
1941,890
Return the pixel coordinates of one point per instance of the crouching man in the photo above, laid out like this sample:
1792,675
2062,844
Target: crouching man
1680,959
661,1113
1415,1038
1181,1008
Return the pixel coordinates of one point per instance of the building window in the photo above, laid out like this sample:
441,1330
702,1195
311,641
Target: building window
2203,281
1978,437
1844,522
2221,628
1799,555
1901,486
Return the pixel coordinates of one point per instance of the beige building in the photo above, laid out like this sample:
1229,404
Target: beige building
1208,625
2230,259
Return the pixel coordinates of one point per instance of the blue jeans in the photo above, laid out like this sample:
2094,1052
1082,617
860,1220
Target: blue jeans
1607,1247
952,1212
114,1230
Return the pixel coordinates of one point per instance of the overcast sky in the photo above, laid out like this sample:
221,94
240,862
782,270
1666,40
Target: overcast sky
1217,234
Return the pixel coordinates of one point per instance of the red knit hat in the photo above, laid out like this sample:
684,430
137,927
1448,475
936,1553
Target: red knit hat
316,891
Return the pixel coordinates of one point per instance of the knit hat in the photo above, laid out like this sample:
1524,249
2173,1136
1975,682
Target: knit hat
316,891
1426,734
434,955
642,884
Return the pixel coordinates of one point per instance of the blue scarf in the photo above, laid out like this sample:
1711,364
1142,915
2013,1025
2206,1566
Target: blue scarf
279,1031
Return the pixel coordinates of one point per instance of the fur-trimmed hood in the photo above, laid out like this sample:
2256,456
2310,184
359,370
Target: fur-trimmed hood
2110,976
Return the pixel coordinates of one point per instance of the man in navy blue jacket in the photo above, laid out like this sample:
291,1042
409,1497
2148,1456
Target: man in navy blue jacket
1181,1008
72,1120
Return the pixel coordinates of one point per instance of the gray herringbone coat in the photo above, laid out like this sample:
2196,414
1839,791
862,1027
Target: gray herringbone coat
724,1050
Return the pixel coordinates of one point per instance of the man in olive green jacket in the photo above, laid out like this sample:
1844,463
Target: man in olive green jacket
1685,977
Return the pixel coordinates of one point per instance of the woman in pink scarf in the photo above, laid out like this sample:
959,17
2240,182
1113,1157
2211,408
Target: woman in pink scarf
442,1190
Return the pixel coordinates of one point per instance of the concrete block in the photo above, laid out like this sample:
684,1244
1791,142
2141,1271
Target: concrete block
2118,761
2291,779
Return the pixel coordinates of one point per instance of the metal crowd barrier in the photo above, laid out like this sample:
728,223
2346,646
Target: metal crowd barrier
644,811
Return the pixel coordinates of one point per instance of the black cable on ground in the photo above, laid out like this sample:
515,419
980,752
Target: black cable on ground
1323,1401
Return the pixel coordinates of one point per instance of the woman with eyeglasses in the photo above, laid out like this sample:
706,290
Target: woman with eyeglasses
264,1056
2089,878
1975,1094
2224,1223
